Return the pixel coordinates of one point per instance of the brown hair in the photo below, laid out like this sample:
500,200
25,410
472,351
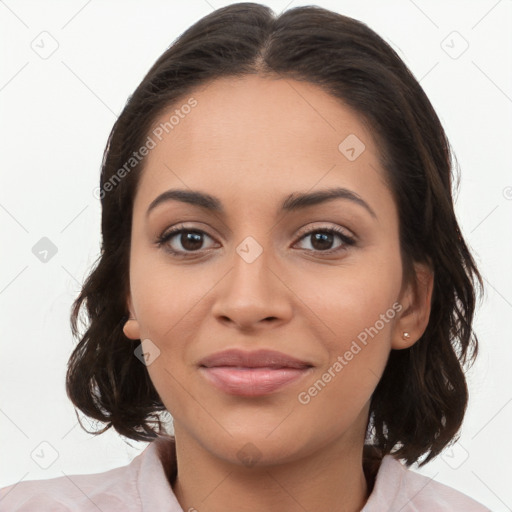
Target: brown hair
420,401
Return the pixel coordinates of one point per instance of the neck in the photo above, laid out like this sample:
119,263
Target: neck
331,478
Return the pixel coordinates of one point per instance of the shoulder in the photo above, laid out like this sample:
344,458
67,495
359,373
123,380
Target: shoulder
399,488
111,490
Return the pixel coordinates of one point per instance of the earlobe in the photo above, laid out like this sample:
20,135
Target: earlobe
414,319
131,327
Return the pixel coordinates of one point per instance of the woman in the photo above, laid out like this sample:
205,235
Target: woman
282,271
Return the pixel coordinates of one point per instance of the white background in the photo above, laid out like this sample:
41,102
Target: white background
56,114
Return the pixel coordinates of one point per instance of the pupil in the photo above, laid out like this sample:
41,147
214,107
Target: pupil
191,240
319,237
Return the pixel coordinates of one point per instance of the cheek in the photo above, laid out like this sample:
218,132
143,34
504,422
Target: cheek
357,349
171,304
355,313
355,352
351,301
165,294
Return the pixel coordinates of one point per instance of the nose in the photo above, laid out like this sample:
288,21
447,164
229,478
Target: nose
253,294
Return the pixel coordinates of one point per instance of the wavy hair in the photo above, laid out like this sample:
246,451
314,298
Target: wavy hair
418,406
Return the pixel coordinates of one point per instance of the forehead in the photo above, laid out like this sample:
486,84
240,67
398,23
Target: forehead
254,133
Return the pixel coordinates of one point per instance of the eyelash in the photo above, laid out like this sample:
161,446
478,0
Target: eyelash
168,235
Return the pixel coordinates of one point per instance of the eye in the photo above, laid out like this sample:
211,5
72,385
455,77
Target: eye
323,238
190,240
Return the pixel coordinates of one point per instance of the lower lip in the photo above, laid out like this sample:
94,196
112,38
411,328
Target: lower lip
251,381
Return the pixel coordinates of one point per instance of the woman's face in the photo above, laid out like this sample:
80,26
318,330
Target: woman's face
253,275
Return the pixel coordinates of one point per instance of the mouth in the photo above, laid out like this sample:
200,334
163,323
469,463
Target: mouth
257,373
255,359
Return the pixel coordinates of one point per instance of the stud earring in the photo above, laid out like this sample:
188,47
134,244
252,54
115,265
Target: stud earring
406,335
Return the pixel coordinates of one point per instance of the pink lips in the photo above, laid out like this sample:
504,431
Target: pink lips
254,373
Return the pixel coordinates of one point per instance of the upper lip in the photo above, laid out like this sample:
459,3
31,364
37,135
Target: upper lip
254,359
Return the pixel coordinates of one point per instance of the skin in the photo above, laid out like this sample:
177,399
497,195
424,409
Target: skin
251,142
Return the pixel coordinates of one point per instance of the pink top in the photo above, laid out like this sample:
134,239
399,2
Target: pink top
143,485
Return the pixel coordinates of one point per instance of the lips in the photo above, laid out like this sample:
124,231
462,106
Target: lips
256,373
255,359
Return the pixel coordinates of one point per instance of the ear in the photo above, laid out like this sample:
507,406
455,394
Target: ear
131,328
416,305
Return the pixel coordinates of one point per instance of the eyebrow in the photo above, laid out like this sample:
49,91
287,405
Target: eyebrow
293,202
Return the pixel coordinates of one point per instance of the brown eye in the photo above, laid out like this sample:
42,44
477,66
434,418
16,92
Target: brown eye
322,240
190,240
181,241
